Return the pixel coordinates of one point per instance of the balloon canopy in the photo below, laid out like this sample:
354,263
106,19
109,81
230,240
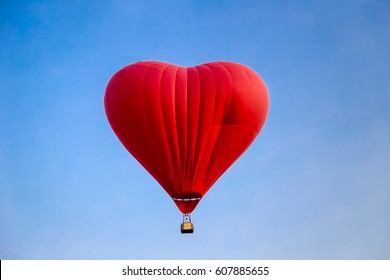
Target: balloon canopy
186,126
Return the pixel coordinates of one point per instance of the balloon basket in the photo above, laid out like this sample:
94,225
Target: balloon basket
186,225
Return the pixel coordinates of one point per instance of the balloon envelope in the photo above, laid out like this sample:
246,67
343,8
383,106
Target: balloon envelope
186,126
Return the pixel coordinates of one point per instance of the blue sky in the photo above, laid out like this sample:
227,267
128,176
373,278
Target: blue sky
314,185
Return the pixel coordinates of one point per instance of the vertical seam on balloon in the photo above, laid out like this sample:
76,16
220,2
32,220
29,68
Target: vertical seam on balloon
193,165
148,118
187,163
172,169
181,143
202,158
191,149
177,133
210,163
197,164
188,159
143,97
185,148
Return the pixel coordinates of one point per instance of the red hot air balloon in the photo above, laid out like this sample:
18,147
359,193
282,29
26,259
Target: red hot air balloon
186,126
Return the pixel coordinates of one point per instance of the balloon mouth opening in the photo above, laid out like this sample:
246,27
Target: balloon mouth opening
185,197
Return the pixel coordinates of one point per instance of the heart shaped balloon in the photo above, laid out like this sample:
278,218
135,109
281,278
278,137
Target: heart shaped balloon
186,126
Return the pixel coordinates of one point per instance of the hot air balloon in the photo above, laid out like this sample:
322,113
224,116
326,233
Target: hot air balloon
186,125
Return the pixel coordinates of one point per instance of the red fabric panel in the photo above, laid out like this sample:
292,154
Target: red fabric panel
186,126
